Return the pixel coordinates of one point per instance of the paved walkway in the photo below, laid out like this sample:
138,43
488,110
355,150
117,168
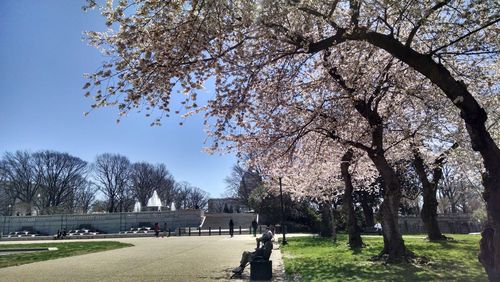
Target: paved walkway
205,258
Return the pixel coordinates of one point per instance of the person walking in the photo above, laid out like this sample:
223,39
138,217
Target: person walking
254,227
157,230
231,227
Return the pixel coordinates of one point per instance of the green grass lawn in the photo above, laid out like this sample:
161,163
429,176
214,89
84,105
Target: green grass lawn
64,250
318,259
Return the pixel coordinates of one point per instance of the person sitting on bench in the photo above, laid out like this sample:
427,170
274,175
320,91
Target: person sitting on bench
263,252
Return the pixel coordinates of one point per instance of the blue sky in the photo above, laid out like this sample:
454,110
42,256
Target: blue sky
42,61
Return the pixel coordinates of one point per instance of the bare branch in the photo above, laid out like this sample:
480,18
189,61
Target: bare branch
427,14
464,36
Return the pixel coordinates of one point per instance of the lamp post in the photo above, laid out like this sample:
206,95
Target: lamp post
282,215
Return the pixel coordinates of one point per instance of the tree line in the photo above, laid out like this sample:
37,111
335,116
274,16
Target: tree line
51,182
455,195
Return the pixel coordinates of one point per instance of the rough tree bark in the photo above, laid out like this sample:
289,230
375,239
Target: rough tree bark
429,208
347,204
367,209
394,245
327,226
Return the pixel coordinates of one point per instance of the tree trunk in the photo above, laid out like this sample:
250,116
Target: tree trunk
326,221
394,245
111,205
347,204
489,255
429,215
367,210
429,189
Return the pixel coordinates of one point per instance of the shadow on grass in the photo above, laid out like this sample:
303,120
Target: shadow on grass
321,270
318,259
356,250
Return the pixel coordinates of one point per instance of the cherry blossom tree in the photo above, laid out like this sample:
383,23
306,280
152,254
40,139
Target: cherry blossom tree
252,49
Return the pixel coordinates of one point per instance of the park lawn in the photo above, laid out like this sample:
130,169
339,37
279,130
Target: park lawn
64,250
318,259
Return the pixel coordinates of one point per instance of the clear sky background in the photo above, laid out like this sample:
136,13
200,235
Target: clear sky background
42,61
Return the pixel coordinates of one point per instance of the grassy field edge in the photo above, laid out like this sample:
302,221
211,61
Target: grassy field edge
66,249
320,259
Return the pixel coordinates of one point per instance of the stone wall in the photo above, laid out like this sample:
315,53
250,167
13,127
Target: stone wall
459,223
107,222
115,222
216,220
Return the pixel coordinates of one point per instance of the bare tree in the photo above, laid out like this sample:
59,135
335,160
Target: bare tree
22,180
452,190
85,197
234,179
143,184
242,182
147,177
5,199
190,197
181,195
197,198
112,173
60,176
164,183
99,206
457,194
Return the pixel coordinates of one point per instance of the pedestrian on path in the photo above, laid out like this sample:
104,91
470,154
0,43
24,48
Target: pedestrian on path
231,227
254,227
157,229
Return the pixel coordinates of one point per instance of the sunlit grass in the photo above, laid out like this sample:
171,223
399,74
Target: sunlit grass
318,259
64,250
